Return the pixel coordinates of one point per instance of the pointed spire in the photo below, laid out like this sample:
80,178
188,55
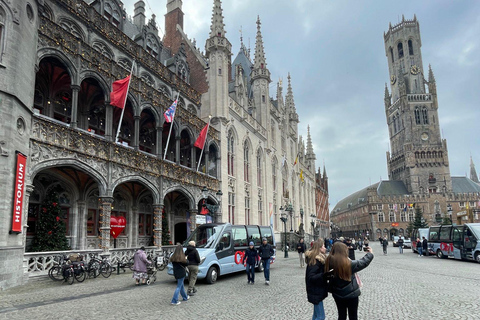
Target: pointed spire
289,102
259,60
473,172
309,142
324,171
387,94
431,77
217,29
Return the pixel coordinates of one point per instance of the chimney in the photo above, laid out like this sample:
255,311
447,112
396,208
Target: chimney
139,14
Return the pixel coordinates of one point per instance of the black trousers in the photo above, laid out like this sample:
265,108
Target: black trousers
344,305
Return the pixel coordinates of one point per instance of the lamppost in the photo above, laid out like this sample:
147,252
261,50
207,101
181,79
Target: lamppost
289,208
213,208
283,217
312,223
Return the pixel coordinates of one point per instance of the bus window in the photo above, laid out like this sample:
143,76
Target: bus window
457,235
267,233
254,235
445,233
433,234
224,242
239,234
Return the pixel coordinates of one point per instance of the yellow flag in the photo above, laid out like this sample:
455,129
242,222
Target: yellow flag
301,175
296,160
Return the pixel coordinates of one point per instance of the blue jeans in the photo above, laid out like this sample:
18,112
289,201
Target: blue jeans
400,248
180,289
251,272
420,250
266,268
318,311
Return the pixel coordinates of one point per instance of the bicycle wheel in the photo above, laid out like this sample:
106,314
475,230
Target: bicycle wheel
161,266
105,270
55,273
80,274
94,270
69,276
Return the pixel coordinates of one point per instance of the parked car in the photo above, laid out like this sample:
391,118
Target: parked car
407,243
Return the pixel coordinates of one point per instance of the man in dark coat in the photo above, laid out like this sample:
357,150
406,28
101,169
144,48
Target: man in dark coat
265,251
351,248
301,251
193,261
425,246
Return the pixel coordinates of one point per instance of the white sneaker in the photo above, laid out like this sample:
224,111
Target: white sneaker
176,304
267,283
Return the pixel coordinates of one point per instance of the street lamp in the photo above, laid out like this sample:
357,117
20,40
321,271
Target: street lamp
212,208
283,217
289,208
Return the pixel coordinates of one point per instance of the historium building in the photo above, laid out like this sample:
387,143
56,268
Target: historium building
418,166
67,153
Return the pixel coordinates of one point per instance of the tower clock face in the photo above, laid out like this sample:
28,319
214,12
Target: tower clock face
424,136
414,70
393,79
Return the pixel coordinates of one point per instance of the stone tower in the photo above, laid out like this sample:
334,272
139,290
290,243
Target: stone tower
260,79
218,51
419,155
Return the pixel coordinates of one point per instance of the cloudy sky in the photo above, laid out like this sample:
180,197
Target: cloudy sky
334,51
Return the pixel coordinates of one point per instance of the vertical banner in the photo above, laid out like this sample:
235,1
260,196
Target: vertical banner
270,212
19,187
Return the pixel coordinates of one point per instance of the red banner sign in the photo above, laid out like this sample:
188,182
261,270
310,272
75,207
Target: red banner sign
395,224
19,187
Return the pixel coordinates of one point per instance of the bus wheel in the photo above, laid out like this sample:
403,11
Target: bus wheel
212,275
440,254
477,257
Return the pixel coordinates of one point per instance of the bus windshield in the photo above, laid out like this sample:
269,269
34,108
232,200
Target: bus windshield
476,229
204,236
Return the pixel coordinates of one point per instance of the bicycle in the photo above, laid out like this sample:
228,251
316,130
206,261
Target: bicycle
93,266
56,272
105,268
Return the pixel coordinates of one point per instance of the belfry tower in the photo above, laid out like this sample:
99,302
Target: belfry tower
418,156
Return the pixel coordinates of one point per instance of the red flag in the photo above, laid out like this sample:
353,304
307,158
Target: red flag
200,143
119,92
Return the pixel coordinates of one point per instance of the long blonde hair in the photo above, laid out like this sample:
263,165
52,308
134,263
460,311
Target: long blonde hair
338,261
315,251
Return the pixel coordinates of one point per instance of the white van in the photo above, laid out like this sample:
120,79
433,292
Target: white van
221,247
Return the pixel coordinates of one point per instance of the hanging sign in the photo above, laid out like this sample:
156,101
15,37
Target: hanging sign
19,187
117,224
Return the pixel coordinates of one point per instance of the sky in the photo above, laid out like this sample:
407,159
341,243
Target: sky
335,54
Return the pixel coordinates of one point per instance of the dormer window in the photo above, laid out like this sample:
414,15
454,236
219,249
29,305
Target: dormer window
111,15
261,66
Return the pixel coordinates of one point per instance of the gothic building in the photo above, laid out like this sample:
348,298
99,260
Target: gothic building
418,167
58,59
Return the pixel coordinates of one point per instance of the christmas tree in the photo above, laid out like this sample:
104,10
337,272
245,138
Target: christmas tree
165,230
417,223
50,233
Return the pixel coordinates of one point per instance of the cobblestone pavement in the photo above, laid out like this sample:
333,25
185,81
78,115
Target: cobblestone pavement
395,287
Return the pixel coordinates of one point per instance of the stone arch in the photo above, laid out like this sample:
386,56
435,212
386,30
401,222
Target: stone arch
48,12
147,77
72,27
164,88
148,184
125,63
231,129
54,53
190,197
101,81
149,106
77,164
103,48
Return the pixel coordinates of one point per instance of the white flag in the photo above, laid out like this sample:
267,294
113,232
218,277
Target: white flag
284,159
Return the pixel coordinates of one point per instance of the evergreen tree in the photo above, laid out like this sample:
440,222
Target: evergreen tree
50,231
165,230
417,223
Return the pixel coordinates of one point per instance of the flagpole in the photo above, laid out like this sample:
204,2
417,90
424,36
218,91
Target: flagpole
171,126
201,153
124,103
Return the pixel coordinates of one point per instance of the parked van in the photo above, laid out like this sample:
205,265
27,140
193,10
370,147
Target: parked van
221,247
456,241
418,233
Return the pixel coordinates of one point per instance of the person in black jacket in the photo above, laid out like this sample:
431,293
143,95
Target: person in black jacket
344,285
179,262
193,261
425,246
351,248
301,251
251,258
315,278
265,251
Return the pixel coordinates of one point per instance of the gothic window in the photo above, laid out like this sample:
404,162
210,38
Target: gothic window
392,216
170,154
231,207
152,46
112,15
91,107
103,49
273,133
212,161
411,215
274,175
148,79
246,162
400,50
247,210
417,115
425,115
72,27
259,168
410,47
403,216
263,98
391,54
2,30
381,217
186,150
260,213
394,124
230,155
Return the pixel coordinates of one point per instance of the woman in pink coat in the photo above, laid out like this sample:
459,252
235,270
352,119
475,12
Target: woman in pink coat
140,262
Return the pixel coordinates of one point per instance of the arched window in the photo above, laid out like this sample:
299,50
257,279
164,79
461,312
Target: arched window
400,50
391,54
392,216
212,161
112,15
394,124
410,47
274,175
381,217
2,31
171,156
148,132
403,217
425,115
246,162
259,168
417,115
273,132
411,215
230,155
186,150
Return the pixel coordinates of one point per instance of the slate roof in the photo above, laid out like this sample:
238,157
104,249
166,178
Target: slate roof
464,185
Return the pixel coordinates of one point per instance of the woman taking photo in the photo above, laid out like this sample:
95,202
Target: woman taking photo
315,278
179,262
344,285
